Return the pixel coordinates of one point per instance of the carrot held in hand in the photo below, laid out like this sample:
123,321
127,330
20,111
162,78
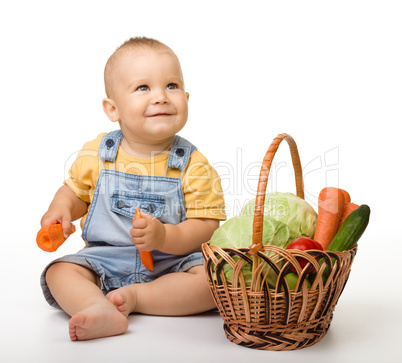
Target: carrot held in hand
331,202
146,257
51,237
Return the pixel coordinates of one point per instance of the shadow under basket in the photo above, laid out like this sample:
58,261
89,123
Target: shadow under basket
262,308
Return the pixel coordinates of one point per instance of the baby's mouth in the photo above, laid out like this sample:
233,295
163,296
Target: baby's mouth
159,115
159,112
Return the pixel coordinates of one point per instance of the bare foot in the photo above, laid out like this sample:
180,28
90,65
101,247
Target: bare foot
97,321
124,298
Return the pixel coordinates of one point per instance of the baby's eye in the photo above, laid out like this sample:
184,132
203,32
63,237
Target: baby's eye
172,86
143,88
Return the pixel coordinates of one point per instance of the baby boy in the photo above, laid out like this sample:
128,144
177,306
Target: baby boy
146,165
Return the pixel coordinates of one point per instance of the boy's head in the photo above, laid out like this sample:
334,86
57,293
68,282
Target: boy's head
145,89
131,44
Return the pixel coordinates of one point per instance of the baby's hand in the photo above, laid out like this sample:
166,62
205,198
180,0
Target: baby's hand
148,233
54,216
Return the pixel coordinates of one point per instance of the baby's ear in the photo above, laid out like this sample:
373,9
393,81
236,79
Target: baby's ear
110,109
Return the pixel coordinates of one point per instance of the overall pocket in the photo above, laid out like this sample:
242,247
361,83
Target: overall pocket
125,203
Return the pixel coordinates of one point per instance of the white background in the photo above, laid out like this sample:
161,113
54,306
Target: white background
326,72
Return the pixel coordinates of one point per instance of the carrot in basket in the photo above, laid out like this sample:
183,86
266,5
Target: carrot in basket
146,257
346,195
330,207
347,209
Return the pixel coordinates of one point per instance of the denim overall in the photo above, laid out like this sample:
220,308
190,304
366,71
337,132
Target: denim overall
110,252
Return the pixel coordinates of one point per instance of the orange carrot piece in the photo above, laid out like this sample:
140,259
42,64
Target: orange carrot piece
146,257
330,206
347,209
147,260
346,195
50,237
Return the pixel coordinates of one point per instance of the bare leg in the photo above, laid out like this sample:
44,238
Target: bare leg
92,315
175,294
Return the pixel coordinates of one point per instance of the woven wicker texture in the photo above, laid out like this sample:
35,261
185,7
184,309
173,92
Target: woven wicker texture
281,317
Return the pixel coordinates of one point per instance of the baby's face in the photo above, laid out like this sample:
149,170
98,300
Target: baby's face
148,90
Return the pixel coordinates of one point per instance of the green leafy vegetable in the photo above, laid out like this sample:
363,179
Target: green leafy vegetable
288,208
237,232
286,217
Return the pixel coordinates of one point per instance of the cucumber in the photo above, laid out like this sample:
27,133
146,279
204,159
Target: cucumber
351,229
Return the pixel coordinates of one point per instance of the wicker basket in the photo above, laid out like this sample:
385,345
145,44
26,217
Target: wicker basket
260,316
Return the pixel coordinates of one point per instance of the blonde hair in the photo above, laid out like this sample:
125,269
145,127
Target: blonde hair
132,43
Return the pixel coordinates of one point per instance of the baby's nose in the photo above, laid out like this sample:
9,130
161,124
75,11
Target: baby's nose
160,96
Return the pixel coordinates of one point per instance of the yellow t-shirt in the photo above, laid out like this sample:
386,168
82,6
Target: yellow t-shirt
203,196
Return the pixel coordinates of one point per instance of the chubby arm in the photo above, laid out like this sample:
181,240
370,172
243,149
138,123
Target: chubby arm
188,236
64,208
184,238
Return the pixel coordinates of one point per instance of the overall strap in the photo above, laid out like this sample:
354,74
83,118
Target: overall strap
109,145
178,157
180,153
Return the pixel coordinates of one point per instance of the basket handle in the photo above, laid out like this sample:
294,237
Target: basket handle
262,186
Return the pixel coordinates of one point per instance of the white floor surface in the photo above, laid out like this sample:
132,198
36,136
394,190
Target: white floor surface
365,328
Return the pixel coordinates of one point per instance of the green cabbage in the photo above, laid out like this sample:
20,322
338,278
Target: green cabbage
237,232
286,217
295,212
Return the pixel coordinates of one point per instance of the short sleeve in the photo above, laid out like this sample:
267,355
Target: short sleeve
85,170
203,195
